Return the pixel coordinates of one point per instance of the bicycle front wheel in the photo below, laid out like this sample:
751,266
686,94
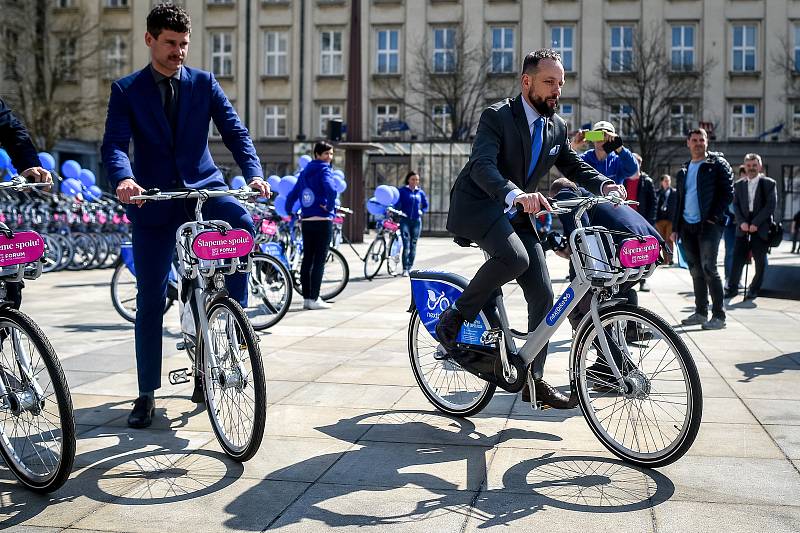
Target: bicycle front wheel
269,293
653,418
394,261
233,380
37,428
336,275
374,258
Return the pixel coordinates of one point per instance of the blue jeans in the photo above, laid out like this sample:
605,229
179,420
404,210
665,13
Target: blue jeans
409,231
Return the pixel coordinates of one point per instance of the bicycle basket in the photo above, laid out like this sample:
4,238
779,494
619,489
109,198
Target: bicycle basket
597,259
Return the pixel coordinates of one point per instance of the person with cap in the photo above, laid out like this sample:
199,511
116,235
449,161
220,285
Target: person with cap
609,157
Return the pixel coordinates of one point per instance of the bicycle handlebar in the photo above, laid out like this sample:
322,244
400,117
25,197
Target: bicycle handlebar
158,195
18,183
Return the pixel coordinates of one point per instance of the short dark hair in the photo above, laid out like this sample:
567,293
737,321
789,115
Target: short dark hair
531,63
411,173
697,131
665,177
321,147
168,17
561,183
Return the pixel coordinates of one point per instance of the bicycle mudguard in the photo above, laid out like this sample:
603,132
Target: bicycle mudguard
275,249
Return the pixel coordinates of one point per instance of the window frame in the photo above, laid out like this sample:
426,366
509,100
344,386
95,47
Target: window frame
276,55
682,49
744,48
621,49
331,54
325,117
121,58
563,49
277,117
742,117
445,51
377,120
504,49
222,55
387,52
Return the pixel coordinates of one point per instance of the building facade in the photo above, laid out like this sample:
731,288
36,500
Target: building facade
283,63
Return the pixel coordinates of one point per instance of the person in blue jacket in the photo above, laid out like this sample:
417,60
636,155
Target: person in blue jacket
413,203
315,189
608,156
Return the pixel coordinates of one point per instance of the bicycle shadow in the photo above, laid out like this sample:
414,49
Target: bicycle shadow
769,367
126,466
391,447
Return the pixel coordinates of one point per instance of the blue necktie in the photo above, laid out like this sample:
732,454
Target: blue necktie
536,144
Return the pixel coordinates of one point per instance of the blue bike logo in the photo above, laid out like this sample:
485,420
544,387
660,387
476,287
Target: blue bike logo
440,301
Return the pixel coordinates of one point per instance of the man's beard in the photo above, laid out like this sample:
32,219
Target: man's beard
540,105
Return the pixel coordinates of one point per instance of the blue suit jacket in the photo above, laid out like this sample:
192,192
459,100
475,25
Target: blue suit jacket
135,112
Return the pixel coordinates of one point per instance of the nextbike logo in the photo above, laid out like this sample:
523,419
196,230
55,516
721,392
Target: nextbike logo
441,301
560,306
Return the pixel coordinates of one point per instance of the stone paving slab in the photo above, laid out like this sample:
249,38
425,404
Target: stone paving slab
351,442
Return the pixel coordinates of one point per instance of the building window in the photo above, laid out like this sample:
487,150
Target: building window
797,47
67,57
681,119
222,54
442,118
221,2
744,119
562,40
620,116
116,56
683,48
744,48
385,114
621,56
274,120
795,120
444,50
65,4
116,3
276,53
503,50
331,53
567,112
328,112
388,60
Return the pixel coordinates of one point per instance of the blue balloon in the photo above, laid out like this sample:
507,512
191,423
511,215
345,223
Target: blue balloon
71,186
375,208
339,184
338,172
238,182
395,195
273,182
280,206
286,185
86,177
93,193
303,160
384,194
5,159
47,161
70,169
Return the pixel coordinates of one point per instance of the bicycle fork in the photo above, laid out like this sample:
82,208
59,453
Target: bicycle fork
30,398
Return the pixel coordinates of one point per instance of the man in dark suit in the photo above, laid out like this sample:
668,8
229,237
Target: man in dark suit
15,140
665,212
165,109
518,140
754,201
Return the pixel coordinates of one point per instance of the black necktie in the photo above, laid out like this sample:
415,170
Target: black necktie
170,106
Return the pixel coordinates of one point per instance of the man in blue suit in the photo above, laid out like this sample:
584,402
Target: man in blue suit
165,110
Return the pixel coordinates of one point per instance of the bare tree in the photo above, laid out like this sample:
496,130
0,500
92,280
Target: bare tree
783,64
648,84
47,57
455,82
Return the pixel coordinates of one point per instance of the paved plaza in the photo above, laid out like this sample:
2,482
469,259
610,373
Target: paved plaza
351,444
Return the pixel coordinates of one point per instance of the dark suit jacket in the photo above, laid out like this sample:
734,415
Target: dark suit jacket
665,208
163,159
15,140
763,206
499,163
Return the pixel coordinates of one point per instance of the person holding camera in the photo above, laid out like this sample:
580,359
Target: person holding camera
609,157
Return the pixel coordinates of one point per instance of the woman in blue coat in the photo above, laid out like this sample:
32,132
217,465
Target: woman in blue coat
413,203
315,189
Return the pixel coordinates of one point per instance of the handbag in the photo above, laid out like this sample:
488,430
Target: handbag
775,234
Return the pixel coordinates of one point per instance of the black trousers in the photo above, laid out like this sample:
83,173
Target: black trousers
316,239
701,244
742,246
514,253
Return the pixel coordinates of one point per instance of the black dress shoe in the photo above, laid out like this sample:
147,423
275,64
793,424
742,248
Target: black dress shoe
730,294
549,396
751,295
142,413
450,322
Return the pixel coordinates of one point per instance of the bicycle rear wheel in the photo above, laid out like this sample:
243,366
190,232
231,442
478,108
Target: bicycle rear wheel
269,291
85,250
445,384
336,275
374,258
653,420
124,291
37,428
235,391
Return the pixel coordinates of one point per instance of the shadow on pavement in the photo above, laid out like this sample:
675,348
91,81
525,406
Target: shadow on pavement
769,367
576,482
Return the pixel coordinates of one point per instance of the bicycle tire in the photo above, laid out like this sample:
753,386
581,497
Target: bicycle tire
244,332
52,253
333,285
394,263
63,401
103,250
85,250
640,387
268,269
121,272
67,251
374,257
448,373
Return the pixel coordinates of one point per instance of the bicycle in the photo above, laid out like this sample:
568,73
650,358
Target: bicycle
223,347
124,289
387,246
641,396
37,427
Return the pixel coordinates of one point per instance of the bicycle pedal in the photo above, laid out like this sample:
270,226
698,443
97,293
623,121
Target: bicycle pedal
179,376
